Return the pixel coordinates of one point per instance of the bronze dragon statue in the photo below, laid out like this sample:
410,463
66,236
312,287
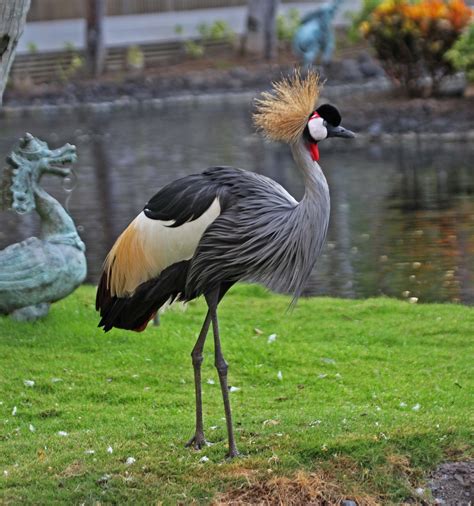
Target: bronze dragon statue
38,271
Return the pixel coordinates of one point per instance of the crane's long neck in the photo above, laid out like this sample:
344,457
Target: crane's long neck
316,197
312,213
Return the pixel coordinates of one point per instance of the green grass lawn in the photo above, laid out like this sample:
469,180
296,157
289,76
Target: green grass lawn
372,394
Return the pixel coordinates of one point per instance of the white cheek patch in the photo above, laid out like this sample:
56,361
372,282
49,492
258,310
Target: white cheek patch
317,129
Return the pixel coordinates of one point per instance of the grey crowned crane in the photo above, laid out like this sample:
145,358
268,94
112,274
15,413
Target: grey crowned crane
202,233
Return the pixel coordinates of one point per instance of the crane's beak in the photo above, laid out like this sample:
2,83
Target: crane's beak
339,131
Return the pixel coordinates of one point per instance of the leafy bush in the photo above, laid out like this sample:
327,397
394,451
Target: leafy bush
217,31
72,65
461,55
411,39
193,49
135,58
287,24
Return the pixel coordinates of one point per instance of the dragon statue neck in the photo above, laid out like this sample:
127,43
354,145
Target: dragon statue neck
22,192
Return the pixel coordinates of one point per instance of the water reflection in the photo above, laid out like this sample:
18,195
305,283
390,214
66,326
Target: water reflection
402,221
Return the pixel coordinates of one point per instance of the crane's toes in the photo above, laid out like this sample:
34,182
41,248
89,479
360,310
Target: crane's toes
232,453
198,441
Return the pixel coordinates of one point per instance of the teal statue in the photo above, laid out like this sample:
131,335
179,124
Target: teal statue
315,35
38,271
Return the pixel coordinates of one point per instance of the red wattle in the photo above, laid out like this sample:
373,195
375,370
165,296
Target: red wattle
314,150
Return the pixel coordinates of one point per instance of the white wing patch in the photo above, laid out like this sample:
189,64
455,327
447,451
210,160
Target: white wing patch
164,245
147,247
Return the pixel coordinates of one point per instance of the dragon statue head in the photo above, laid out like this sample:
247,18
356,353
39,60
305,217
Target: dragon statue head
25,167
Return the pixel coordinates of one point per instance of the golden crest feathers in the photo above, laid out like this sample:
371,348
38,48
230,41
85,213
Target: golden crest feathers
283,113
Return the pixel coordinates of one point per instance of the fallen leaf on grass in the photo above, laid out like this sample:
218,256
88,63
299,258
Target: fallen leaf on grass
271,338
328,360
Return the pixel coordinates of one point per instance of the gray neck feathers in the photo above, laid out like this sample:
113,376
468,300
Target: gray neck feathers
316,186
311,215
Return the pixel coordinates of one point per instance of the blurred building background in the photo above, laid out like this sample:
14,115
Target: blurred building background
44,10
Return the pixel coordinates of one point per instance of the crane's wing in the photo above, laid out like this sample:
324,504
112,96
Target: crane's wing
166,232
27,269
155,250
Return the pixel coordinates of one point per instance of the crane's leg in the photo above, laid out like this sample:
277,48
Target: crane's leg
198,440
221,366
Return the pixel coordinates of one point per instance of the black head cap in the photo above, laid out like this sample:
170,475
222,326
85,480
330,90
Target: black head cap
330,114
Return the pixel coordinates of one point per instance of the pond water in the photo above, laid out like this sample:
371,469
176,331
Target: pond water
402,221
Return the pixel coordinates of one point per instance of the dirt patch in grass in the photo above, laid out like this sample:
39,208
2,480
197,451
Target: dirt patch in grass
76,468
453,483
240,471
303,488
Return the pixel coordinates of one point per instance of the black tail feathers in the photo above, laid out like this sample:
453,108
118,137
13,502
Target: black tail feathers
133,313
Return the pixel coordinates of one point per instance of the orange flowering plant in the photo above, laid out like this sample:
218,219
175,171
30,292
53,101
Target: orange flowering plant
412,37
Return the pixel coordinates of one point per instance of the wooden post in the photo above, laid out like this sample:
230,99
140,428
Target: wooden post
12,21
261,38
95,46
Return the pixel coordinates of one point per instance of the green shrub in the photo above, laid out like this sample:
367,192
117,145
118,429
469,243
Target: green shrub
461,55
135,58
219,30
286,25
193,49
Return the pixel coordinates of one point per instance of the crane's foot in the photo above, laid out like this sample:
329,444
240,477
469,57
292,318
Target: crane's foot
198,441
233,453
